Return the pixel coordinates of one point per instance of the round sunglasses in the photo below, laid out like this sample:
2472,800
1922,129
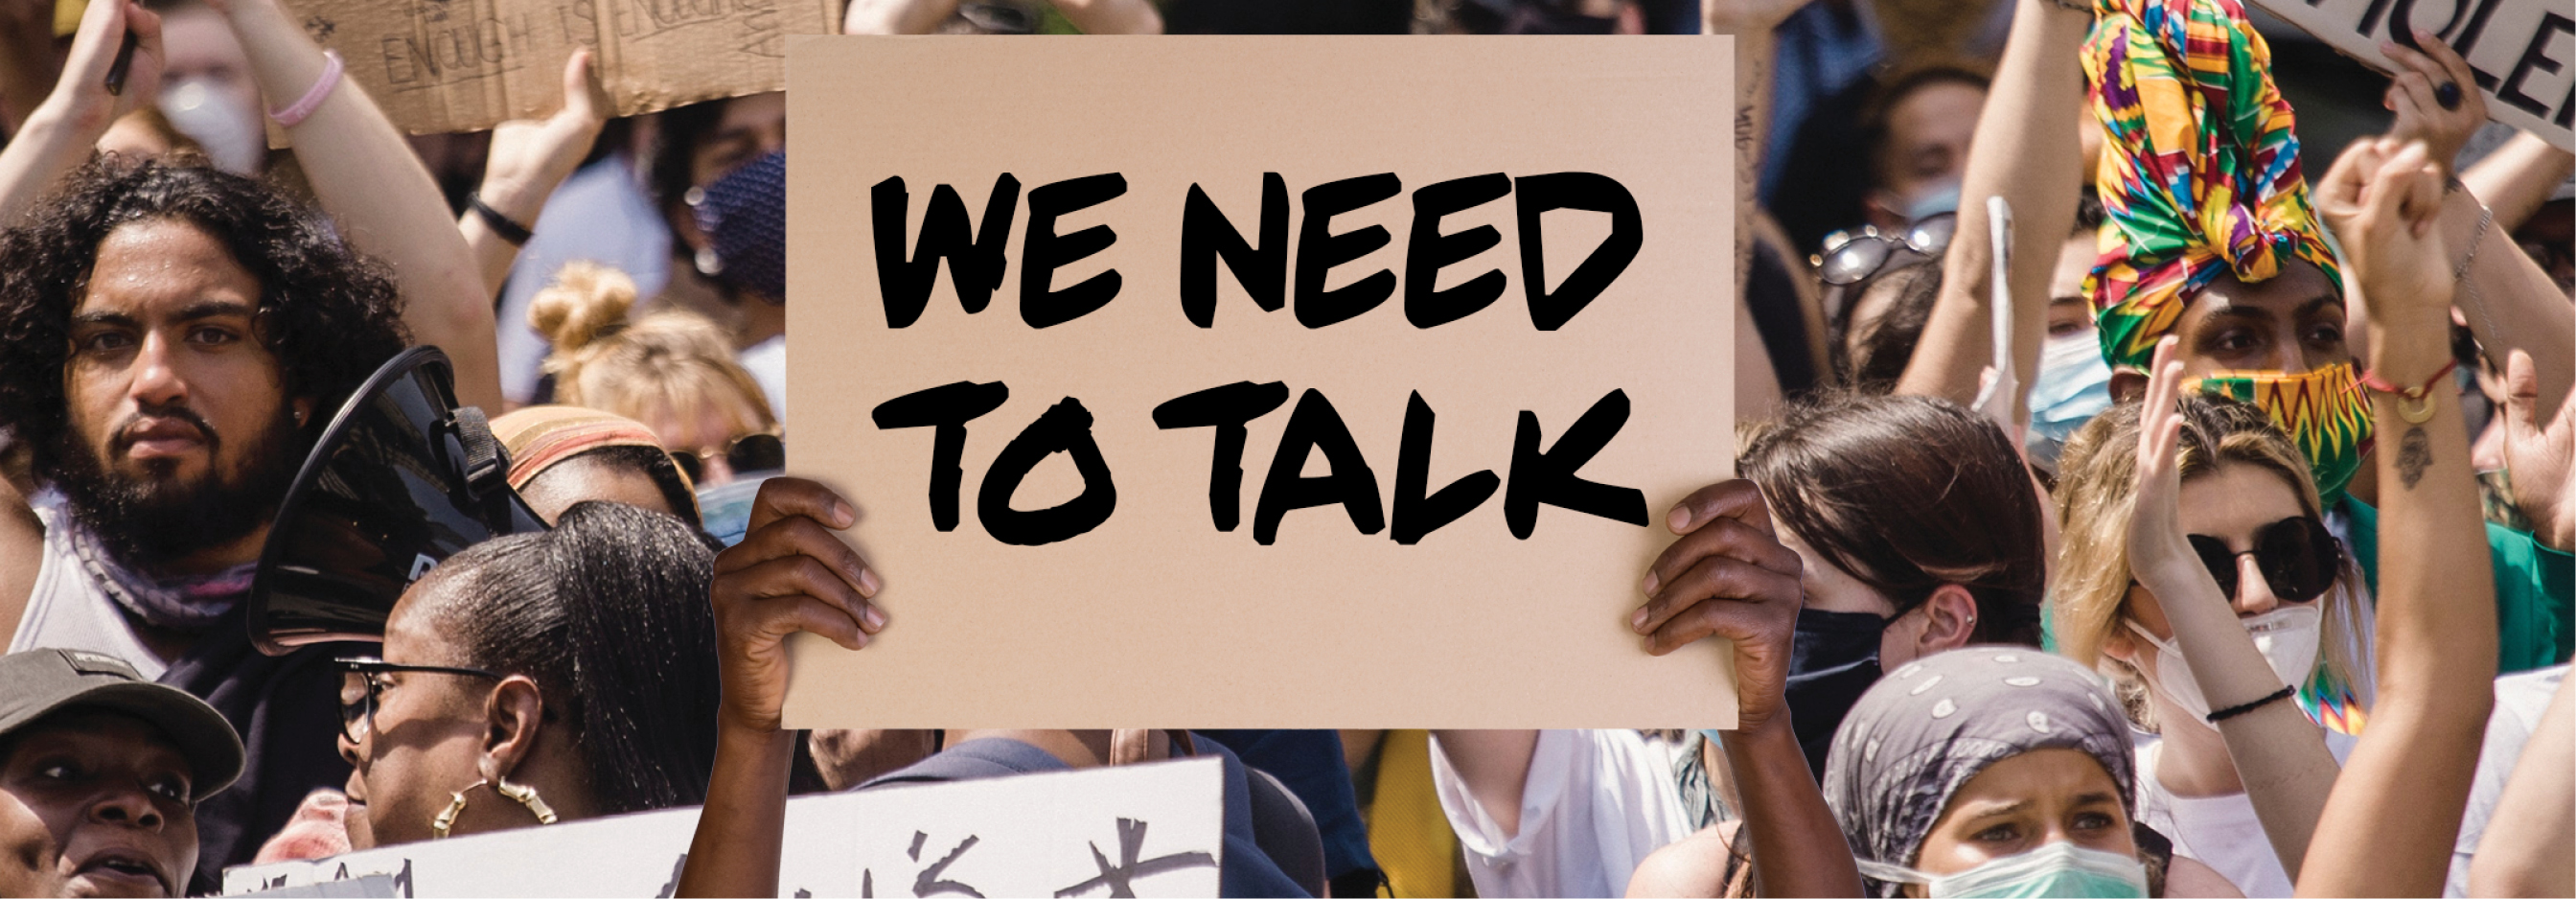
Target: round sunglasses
747,453
2298,557
1850,258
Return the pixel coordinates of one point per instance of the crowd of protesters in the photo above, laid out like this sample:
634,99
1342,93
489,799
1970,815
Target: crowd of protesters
2196,611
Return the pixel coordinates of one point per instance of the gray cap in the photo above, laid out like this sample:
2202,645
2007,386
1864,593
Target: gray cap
39,682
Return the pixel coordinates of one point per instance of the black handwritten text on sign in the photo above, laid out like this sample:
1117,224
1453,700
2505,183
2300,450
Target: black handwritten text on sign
974,253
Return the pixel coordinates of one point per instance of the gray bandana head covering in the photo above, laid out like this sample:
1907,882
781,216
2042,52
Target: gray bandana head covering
1925,729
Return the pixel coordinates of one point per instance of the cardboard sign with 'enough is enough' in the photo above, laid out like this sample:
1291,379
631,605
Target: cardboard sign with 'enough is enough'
1261,382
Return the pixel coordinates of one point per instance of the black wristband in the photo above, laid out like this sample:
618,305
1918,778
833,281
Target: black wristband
2235,710
517,234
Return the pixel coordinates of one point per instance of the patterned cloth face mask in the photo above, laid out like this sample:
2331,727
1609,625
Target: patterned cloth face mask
2322,410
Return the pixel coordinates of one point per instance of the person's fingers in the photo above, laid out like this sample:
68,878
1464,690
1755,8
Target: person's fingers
2384,200
1731,620
773,619
1718,580
800,537
1723,536
800,576
2339,192
2521,395
1735,498
2424,190
2453,68
2411,61
582,100
781,497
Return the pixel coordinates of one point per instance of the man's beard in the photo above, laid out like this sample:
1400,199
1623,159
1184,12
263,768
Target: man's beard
147,521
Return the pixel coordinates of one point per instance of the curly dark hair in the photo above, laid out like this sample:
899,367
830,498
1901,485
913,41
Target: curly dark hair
328,314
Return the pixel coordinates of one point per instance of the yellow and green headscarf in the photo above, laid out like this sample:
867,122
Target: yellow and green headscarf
2199,177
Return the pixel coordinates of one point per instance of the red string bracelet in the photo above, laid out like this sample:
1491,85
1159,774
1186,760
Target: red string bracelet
2420,396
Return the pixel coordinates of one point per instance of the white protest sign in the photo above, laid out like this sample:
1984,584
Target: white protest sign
2522,52
1156,830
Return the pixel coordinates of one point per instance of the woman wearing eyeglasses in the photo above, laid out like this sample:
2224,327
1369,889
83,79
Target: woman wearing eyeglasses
539,678
2254,523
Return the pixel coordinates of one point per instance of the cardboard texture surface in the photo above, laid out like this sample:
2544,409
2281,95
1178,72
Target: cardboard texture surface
1033,835
465,65
1156,616
2522,51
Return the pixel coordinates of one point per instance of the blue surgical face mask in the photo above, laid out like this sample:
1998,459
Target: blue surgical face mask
1934,200
2074,385
2057,869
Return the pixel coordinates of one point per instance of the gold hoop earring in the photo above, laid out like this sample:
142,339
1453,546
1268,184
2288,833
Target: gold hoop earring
445,820
527,796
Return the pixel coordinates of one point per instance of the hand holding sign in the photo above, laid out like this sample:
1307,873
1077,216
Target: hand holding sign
1728,576
2434,97
790,573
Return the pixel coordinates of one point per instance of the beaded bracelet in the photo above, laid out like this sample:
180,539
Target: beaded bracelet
2235,710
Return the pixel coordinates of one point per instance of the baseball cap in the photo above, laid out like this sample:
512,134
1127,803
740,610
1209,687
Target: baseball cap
39,682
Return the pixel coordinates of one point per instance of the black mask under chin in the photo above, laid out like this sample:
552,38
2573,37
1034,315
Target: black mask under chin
1833,658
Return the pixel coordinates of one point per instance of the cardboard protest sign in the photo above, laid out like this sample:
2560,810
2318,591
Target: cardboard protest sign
2523,52
1261,382
1158,829
464,65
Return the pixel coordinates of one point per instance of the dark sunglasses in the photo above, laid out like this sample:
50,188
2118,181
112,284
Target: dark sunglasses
362,687
2297,556
749,452
1851,258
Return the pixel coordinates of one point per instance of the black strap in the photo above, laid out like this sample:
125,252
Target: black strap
501,225
485,458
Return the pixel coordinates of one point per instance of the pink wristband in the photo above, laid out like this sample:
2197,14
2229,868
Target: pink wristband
294,115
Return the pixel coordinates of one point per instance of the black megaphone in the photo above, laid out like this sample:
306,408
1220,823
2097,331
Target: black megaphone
402,479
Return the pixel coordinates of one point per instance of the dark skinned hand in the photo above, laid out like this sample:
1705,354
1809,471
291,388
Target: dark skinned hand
1728,576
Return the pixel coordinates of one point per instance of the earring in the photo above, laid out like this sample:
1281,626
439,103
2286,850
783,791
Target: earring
527,796
708,263
524,795
446,818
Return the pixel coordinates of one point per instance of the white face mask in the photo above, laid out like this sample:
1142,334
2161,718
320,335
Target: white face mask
2057,869
233,138
2287,636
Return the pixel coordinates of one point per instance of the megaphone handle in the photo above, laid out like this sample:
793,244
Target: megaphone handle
484,455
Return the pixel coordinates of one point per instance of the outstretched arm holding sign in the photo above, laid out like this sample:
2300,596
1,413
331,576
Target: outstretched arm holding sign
1729,576
374,186
790,573
2509,302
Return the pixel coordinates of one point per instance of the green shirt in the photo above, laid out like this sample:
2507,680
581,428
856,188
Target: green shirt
2535,589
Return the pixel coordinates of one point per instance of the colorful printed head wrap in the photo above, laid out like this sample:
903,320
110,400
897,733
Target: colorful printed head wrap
2200,170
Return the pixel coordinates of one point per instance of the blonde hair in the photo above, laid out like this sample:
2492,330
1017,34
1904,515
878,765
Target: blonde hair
2096,494
668,362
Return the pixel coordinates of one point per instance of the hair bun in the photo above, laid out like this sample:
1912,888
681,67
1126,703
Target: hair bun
586,301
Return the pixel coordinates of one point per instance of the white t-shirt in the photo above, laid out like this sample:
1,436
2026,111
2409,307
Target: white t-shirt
2519,701
2219,831
1596,803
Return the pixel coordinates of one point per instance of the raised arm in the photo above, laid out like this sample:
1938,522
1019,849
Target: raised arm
60,132
2516,178
2509,302
1729,577
790,573
370,181
2025,152
2279,754
2393,815
528,160
2524,850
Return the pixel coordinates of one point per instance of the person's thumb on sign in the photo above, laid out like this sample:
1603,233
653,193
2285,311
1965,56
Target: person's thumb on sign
1728,576
790,573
